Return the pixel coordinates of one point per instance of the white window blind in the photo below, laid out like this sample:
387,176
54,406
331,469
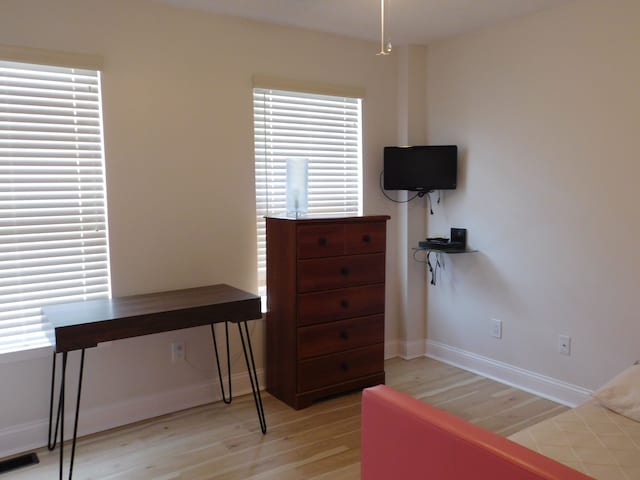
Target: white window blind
326,130
53,229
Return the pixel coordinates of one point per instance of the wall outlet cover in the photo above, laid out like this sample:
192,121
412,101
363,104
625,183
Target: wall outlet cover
564,344
496,328
177,352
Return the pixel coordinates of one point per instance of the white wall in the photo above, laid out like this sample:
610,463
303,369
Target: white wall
546,111
179,160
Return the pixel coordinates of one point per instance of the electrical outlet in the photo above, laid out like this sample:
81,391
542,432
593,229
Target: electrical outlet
564,344
177,352
496,328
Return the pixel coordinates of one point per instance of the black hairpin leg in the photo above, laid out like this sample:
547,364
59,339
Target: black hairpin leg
62,388
52,441
75,423
253,376
215,348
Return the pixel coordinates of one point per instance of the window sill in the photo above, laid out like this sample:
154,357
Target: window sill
23,355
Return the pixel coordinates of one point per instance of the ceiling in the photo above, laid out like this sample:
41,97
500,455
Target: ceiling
417,22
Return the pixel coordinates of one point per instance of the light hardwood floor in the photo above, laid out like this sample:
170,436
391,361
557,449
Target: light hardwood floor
224,442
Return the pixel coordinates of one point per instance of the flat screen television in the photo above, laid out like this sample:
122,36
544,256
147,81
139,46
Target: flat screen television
421,168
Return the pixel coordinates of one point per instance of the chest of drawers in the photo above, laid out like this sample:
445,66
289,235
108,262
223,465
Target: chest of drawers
325,306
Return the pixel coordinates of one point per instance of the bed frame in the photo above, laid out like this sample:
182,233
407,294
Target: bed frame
407,439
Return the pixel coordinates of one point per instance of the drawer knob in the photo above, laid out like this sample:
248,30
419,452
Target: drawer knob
344,335
366,238
344,366
344,303
322,241
344,271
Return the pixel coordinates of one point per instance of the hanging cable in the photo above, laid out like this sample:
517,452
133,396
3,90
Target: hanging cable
384,49
393,199
428,194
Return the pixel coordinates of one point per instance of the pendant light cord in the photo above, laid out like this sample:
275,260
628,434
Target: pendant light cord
384,50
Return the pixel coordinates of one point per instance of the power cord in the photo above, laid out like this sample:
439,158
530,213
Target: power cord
393,199
418,194
433,268
431,202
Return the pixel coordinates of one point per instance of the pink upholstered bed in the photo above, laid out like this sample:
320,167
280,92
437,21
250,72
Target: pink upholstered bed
404,438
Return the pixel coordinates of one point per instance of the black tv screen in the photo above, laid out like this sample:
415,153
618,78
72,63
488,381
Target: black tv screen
421,168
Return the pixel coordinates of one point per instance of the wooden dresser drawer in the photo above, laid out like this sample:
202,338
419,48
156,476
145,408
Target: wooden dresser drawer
320,240
328,240
365,237
340,272
340,367
333,337
340,304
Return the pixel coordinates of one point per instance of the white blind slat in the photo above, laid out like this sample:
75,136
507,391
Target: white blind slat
53,240
325,130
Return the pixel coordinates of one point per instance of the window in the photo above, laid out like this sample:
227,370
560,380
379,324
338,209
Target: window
53,228
326,130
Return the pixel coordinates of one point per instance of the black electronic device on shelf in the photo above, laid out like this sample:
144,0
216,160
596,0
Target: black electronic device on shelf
459,237
457,241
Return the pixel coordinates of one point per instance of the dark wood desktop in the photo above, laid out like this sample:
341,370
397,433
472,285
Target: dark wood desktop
85,324
82,325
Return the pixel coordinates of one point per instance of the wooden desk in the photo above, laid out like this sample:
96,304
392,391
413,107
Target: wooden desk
82,325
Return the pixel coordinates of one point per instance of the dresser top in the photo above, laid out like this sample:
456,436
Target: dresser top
333,219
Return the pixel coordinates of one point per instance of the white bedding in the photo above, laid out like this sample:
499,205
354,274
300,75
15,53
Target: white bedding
589,438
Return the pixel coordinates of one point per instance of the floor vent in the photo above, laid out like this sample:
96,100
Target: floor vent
18,462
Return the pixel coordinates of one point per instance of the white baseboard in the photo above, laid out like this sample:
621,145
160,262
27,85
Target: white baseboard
541,385
28,436
412,349
404,350
391,349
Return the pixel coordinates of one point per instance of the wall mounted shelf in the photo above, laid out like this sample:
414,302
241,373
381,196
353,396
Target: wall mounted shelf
439,261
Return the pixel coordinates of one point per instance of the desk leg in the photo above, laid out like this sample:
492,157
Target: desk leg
62,388
75,422
52,441
51,444
215,348
253,376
